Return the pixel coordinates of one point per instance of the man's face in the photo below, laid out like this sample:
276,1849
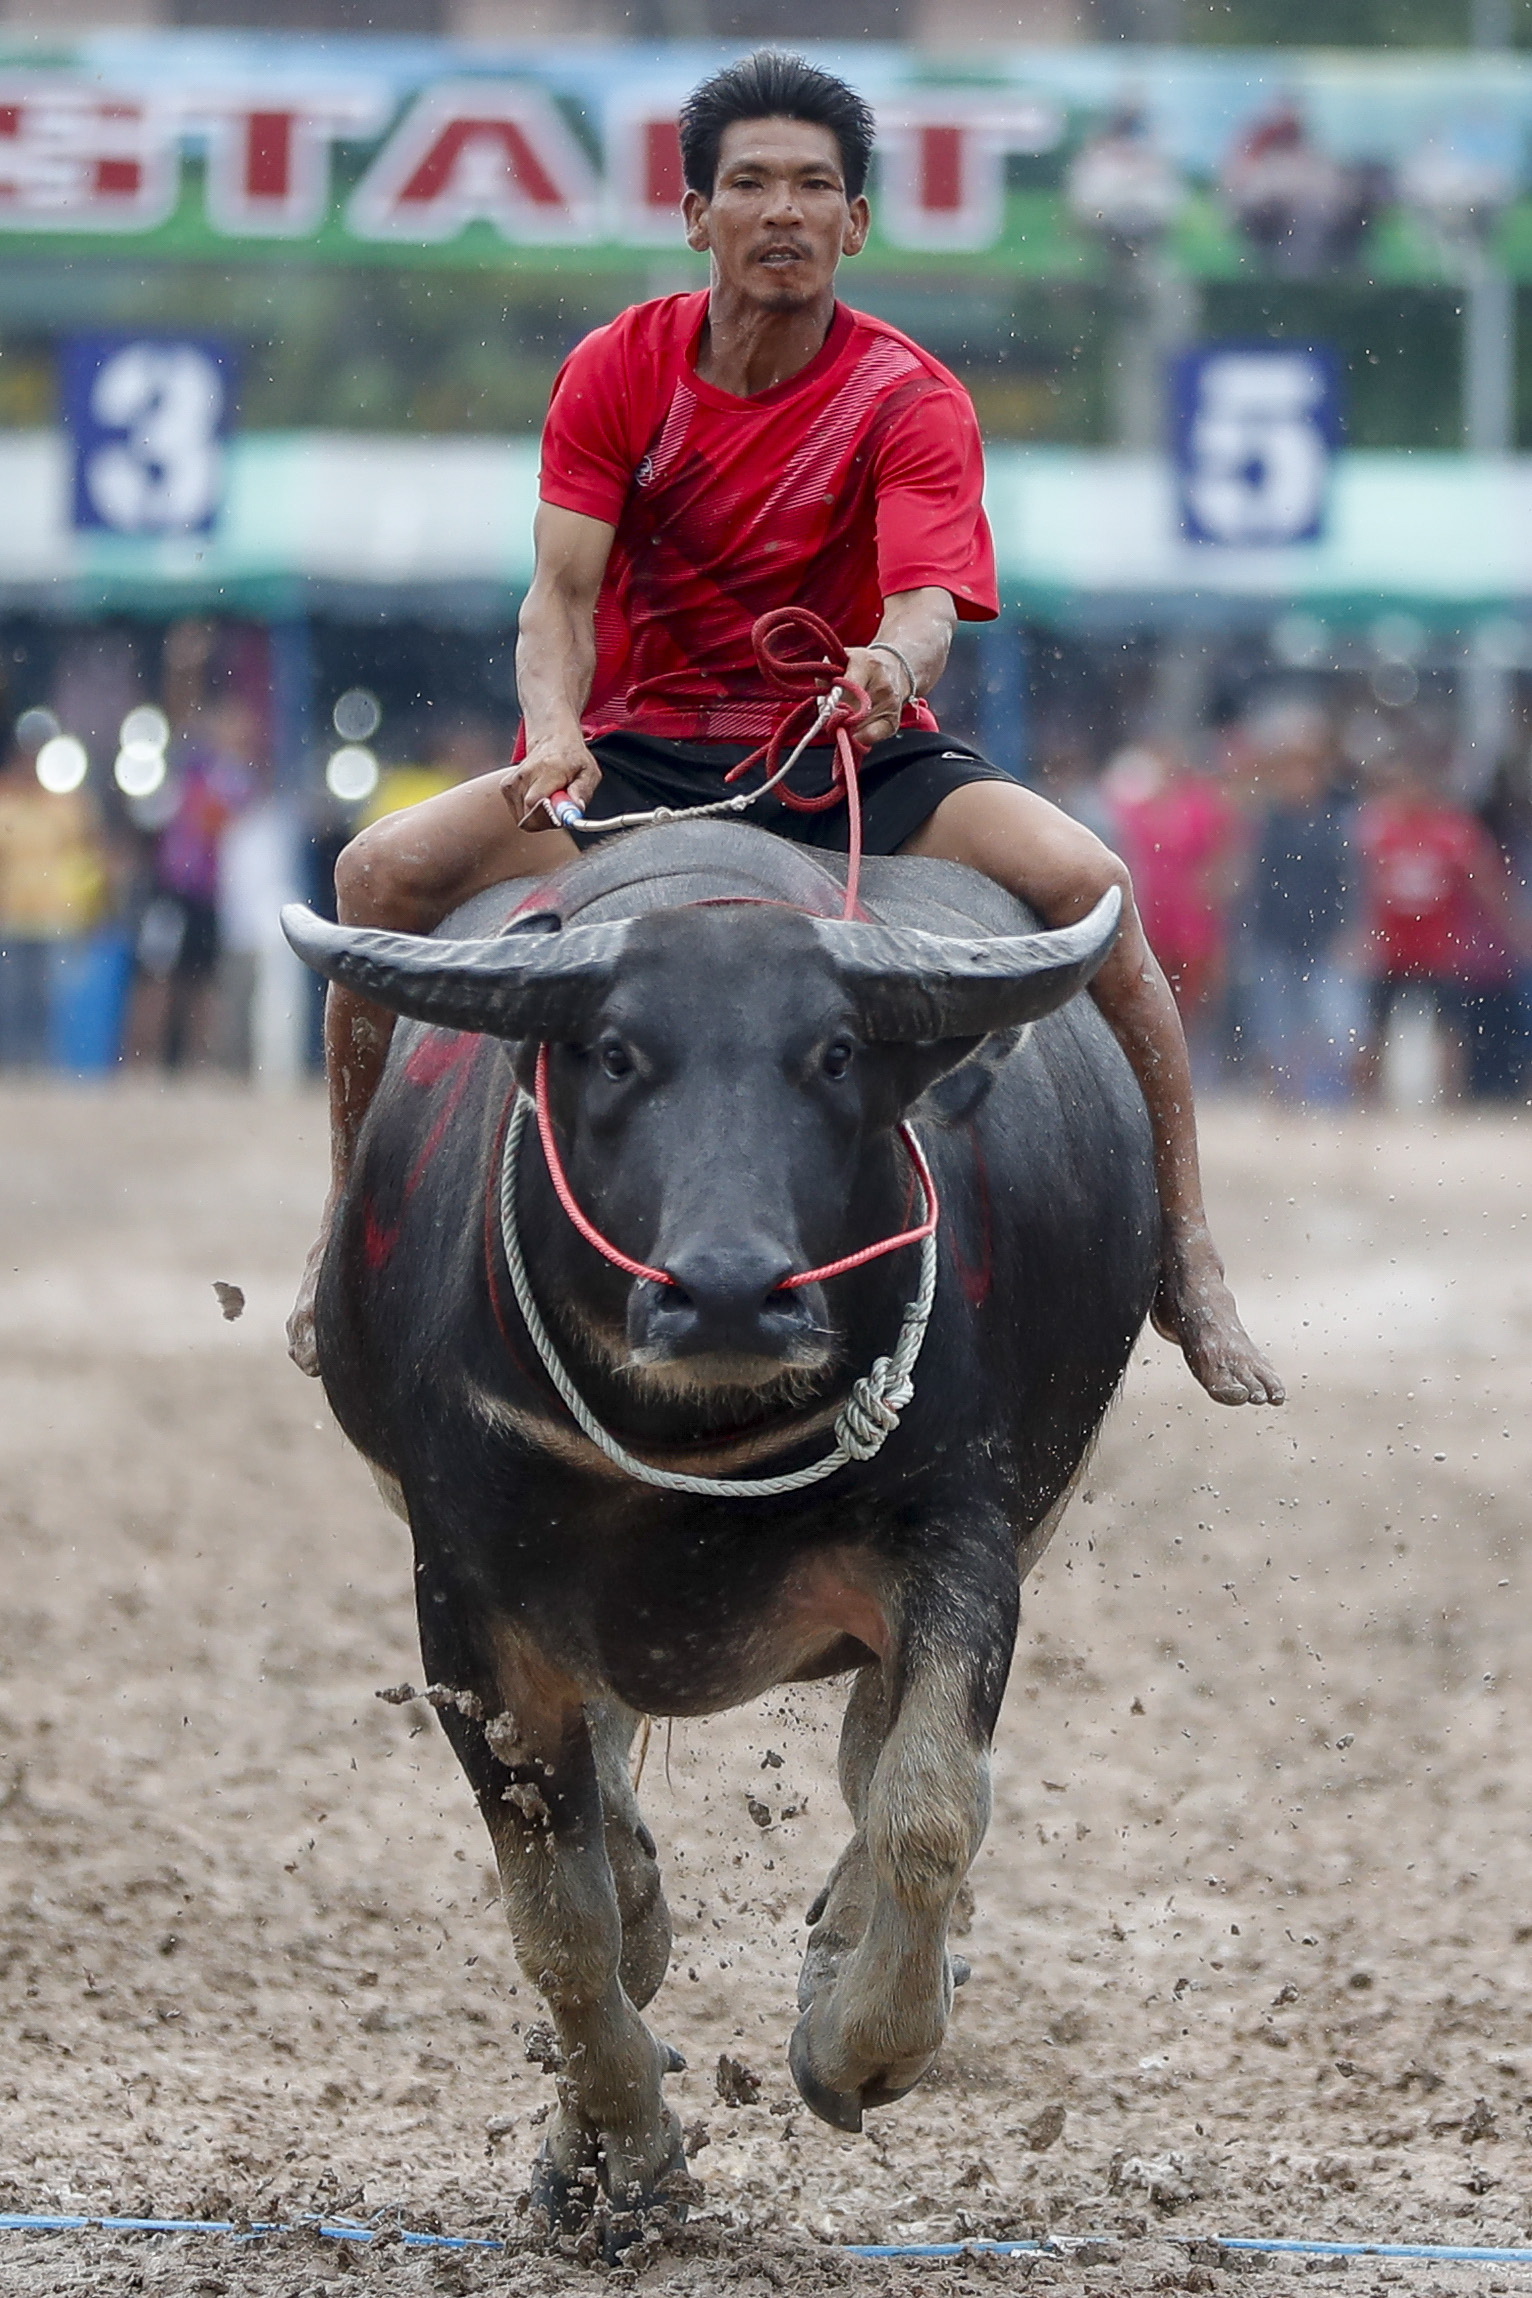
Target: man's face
778,221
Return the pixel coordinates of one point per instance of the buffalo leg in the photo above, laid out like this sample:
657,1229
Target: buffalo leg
877,1978
535,1768
631,1853
839,1914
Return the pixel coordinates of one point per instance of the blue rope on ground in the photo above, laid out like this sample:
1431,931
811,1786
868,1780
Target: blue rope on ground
341,2230
335,2230
1452,2253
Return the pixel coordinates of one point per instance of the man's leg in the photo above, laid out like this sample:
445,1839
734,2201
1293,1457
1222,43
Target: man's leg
406,873
1061,869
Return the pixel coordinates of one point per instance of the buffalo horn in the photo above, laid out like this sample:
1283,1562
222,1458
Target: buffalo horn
512,985
910,987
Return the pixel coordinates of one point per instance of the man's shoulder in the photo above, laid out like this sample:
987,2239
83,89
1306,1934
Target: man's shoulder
872,329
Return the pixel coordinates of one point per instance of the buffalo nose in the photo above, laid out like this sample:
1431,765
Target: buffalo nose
721,1298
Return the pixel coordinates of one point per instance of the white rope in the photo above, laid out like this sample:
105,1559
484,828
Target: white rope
735,805
863,1425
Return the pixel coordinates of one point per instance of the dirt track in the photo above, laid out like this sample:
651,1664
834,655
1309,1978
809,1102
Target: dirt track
1255,1910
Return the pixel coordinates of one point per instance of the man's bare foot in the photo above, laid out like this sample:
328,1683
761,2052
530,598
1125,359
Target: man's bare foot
1195,1308
302,1346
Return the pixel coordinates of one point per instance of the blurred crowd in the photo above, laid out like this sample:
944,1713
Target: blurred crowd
143,862
1336,924
1304,211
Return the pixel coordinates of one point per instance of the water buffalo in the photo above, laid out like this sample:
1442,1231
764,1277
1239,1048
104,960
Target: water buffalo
728,1066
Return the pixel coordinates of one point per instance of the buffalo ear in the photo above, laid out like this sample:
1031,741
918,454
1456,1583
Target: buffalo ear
956,1091
543,985
917,988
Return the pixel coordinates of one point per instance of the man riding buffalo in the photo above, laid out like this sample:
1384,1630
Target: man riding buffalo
708,457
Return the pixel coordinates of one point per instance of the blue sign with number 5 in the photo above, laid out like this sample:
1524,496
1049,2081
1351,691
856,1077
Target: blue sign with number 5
1255,426
147,418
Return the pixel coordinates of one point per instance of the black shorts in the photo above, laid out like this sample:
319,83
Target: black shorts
902,782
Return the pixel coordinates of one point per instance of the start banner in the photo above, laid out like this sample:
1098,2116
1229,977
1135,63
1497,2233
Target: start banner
1040,161
370,144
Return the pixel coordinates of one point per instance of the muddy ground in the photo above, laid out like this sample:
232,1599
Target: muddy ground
1253,1939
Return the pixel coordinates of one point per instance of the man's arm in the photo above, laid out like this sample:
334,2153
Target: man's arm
556,661
920,624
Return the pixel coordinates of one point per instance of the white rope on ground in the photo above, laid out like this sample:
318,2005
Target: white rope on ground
863,1425
738,804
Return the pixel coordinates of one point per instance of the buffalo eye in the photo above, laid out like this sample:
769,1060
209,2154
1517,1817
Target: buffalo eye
837,1057
616,1060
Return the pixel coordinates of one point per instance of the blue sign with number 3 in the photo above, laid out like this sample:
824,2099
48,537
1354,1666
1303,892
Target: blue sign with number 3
1255,426
148,418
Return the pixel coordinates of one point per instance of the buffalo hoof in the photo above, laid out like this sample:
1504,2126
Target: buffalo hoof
842,2110
575,2202
650,2211
565,2198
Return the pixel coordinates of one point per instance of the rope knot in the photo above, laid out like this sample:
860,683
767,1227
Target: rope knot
871,1412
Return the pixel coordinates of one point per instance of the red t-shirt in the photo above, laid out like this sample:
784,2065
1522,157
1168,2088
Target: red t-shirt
861,475
1422,909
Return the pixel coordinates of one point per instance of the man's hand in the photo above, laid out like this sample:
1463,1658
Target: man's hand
887,690
548,766
919,625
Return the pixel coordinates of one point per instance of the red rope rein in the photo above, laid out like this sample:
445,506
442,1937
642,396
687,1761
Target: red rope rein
802,657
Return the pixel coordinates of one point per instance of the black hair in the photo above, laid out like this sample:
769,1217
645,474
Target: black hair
771,86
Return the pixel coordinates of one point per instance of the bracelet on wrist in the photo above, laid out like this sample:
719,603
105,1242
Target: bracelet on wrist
882,646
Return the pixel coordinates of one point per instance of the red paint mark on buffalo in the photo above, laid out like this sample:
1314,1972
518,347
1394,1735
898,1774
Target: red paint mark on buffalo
976,1277
446,1057
379,1238
459,1072
438,1054
538,900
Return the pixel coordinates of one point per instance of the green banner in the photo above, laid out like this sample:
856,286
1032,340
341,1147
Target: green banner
556,163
